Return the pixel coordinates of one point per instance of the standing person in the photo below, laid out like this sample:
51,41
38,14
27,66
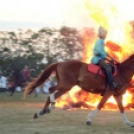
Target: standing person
15,81
26,73
50,82
100,55
3,81
17,77
11,85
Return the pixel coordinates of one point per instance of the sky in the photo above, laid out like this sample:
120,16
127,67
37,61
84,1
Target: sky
36,14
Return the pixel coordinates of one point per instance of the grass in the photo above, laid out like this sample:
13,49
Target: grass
16,117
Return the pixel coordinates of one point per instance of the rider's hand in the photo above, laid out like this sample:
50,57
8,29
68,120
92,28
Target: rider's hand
112,60
116,62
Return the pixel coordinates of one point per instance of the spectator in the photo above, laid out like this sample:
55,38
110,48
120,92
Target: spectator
26,74
50,82
17,77
11,85
3,81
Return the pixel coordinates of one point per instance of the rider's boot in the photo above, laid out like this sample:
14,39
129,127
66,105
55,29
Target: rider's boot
113,85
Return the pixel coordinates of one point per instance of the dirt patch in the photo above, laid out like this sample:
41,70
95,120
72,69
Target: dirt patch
16,117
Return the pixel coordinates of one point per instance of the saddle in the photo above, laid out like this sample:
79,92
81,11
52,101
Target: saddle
96,69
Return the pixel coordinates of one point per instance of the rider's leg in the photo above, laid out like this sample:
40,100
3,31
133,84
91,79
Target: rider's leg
108,71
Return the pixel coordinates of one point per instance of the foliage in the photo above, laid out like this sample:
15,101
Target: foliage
5,49
12,33
35,36
31,48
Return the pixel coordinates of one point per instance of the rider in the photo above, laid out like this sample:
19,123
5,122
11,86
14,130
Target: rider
100,55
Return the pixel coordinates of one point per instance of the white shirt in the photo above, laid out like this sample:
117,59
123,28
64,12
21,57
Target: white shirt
3,82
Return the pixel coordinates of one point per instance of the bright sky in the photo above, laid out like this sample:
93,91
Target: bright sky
16,14
53,13
31,10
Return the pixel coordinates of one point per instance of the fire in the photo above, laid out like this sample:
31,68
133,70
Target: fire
115,16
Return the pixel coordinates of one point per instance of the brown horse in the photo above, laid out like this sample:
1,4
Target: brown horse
76,73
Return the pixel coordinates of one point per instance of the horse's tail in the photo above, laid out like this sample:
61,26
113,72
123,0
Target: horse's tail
40,80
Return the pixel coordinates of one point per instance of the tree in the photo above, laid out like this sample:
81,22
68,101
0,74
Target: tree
39,49
35,36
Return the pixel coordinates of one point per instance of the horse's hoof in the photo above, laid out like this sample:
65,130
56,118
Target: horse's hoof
47,110
35,116
89,123
132,126
42,112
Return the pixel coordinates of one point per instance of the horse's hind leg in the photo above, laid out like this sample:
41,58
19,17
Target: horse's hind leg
57,91
47,103
119,102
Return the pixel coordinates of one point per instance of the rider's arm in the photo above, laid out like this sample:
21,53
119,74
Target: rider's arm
99,49
111,58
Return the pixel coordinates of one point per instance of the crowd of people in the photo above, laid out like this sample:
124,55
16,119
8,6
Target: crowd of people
19,78
56,45
16,80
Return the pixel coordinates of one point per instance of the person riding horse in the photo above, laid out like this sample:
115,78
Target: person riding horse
100,55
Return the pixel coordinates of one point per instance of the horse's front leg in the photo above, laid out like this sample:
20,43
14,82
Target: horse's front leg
122,111
100,105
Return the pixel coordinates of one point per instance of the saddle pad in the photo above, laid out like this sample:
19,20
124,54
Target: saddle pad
95,68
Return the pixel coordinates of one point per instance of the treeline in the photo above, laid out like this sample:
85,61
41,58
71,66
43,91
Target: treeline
38,49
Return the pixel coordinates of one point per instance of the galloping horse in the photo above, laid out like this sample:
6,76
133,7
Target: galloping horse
72,73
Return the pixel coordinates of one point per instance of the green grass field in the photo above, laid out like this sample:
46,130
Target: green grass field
16,117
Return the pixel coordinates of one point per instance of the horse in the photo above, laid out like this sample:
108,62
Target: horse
71,73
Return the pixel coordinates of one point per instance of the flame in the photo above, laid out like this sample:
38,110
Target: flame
115,16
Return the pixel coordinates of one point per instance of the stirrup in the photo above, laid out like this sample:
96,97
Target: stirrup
114,86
